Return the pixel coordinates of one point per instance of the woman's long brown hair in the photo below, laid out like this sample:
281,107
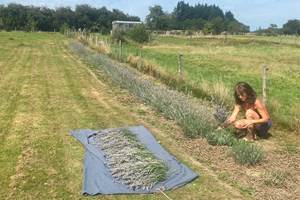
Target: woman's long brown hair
242,88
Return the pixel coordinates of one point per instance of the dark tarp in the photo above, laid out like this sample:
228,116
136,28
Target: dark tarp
98,180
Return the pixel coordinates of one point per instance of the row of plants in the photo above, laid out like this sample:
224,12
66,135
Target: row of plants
219,94
196,117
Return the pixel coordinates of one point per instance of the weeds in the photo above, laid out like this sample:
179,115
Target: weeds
275,178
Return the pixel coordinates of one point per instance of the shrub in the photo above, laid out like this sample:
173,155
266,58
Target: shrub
275,178
246,153
138,34
63,28
118,35
221,138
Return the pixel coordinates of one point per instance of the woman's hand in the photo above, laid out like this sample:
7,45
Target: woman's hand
231,119
244,123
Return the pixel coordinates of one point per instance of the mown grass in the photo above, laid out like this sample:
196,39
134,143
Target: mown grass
45,93
238,58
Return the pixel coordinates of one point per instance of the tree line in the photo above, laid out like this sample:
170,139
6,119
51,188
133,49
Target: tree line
208,18
31,18
291,27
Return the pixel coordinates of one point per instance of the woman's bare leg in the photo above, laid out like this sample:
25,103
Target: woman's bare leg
251,114
240,131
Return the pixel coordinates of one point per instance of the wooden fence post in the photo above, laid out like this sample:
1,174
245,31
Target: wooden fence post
180,65
140,61
120,49
264,83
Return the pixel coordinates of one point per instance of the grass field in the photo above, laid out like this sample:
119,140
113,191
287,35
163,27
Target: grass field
212,60
46,92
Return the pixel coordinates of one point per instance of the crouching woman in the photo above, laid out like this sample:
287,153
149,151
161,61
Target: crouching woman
257,119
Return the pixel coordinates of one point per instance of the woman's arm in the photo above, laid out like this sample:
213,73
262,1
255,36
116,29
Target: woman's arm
261,109
235,112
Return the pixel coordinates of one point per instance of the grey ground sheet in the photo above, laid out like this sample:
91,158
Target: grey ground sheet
98,180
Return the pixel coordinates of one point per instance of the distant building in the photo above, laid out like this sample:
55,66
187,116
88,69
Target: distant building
124,25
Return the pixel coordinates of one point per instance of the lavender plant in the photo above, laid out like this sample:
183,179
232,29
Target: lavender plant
221,137
129,162
247,154
195,117
221,113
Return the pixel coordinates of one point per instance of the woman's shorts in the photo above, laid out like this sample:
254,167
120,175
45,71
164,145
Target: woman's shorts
262,129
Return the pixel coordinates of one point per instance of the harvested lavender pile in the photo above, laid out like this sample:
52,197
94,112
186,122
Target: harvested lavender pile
129,162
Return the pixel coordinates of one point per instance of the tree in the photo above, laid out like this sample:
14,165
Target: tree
272,30
1,17
217,25
292,27
64,17
182,11
235,27
229,16
13,17
157,19
139,34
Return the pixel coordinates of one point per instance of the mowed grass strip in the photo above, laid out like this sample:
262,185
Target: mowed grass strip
11,111
46,93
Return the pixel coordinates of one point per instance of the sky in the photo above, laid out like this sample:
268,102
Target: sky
254,13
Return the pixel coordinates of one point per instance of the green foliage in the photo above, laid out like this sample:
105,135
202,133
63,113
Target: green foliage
235,27
156,19
221,138
118,35
275,178
138,34
63,28
272,30
31,18
246,153
292,27
209,18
